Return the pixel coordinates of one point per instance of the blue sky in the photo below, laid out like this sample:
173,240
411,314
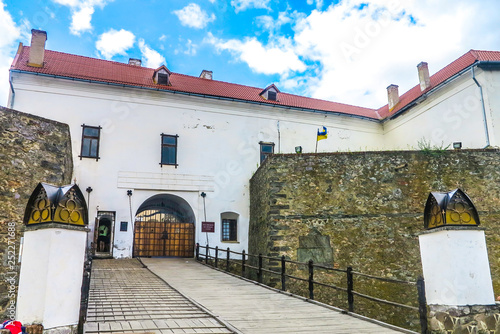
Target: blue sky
346,51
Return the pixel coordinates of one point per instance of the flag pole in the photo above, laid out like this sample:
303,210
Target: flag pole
316,150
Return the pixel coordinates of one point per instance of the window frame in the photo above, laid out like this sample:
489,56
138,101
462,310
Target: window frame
232,230
176,137
91,138
263,155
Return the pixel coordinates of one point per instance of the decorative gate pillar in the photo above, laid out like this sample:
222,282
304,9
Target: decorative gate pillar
53,257
456,269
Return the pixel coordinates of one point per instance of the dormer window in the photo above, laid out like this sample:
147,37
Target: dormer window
270,93
162,76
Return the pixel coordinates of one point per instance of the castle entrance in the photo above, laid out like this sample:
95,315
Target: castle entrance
164,226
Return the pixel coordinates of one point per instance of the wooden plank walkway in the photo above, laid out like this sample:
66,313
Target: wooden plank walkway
125,297
252,308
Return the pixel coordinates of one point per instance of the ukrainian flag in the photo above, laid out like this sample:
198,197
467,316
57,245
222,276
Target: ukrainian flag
323,134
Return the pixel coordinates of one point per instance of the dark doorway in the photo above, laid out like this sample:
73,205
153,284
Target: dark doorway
103,234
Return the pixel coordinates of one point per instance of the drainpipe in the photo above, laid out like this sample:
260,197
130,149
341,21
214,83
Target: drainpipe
486,132
13,92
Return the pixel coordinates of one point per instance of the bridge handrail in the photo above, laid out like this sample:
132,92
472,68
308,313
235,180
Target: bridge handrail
422,308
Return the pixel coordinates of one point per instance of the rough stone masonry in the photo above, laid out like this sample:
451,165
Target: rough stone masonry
370,205
32,150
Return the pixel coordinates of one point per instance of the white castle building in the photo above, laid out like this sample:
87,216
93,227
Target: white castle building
161,152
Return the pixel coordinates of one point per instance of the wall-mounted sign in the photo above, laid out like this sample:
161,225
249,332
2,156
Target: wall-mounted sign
208,227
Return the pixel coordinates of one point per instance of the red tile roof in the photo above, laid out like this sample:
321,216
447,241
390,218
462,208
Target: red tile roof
439,77
79,67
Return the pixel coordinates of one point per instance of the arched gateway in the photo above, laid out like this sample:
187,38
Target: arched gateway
164,226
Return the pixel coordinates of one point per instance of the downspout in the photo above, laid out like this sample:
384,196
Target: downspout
486,132
13,95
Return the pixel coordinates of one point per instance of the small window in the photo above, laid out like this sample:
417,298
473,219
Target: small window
90,142
163,79
169,150
265,150
229,230
271,95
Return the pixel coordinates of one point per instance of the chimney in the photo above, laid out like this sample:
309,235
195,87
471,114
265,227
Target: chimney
135,62
392,96
206,74
423,76
37,50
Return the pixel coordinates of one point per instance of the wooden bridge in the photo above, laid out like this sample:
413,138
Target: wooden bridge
172,295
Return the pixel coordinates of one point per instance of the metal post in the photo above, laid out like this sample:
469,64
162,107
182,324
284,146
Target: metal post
283,277
259,273
197,252
311,279
206,255
350,288
227,259
422,305
243,263
216,256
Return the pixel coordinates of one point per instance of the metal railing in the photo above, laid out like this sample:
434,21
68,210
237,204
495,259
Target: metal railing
226,261
84,299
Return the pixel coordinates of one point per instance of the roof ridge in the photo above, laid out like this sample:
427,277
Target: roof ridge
26,47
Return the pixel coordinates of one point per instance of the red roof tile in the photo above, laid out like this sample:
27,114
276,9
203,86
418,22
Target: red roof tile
439,77
79,67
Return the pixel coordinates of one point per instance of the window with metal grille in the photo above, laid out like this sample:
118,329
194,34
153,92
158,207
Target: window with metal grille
169,150
266,149
91,136
229,230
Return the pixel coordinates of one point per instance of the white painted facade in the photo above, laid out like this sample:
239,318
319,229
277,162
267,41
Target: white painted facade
218,146
51,277
456,267
452,113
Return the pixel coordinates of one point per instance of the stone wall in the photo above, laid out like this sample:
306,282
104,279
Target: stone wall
32,150
371,207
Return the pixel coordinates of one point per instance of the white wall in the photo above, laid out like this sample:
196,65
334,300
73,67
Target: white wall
456,268
450,114
218,146
51,277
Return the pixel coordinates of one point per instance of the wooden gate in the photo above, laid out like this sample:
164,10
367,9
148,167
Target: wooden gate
163,238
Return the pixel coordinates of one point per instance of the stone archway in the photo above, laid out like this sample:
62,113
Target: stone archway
164,226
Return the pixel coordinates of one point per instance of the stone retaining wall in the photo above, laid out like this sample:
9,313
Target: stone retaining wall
32,150
370,205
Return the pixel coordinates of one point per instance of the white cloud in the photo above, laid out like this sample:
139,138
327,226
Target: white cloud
271,59
114,42
319,3
351,51
81,20
193,16
241,5
363,49
8,38
151,58
191,48
81,13
273,25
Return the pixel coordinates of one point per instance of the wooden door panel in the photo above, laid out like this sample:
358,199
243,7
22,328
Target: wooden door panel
149,239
